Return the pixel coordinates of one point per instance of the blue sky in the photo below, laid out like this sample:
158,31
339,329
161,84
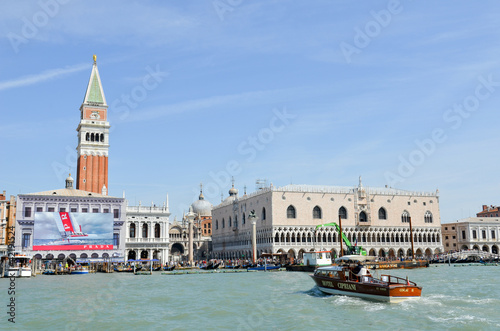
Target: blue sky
403,93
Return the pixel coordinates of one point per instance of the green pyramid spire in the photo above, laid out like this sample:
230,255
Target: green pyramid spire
94,93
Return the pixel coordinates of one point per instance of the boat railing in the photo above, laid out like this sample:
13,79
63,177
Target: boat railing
391,280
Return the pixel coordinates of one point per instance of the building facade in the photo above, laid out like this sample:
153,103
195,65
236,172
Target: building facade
489,211
7,221
377,218
93,138
147,235
201,210
473,233
72,201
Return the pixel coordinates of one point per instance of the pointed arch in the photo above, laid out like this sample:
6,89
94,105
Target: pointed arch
343,213
290,212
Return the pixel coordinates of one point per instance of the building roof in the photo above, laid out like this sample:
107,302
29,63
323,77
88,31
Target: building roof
95,93
69,193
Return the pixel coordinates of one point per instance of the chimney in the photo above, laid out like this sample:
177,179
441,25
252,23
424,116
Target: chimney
2,196
485,207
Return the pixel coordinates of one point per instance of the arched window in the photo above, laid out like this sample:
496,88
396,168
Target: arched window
428,217
132,230
362,217
405,217
243,219
144,230
263,216
157,230
92,137
290,212
317,212
382,214
343,213
230,223
223,223
216,224
102,137
87,136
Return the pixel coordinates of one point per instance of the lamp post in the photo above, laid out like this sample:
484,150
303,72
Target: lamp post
253,219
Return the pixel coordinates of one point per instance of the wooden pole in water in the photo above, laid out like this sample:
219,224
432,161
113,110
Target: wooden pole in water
341,239
411,238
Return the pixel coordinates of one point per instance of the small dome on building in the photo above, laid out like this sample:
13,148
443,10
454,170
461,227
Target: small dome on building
69,182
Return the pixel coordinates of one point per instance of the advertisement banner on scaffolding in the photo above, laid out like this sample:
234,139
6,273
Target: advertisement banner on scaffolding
73,231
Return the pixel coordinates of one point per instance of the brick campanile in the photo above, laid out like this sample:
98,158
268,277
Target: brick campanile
93,138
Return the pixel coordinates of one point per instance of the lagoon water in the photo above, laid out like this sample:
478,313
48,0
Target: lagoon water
454,298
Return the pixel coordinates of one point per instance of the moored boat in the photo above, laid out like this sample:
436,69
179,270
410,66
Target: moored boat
355,280
21,266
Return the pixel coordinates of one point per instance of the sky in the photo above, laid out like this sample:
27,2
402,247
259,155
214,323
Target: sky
402,93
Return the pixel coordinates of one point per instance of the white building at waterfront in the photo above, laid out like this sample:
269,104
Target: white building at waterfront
69,200
147,235
378,218
473,233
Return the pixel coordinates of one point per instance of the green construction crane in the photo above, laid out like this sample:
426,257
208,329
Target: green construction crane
356,250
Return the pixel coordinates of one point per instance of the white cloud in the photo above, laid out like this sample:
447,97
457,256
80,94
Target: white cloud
41,77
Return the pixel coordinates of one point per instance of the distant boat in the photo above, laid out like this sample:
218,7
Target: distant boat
21,265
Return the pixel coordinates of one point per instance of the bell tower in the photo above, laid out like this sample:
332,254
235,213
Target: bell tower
93,138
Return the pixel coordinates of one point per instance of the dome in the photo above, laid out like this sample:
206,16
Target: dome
201,206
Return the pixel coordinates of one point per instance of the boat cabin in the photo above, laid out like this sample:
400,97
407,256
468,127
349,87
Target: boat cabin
321,258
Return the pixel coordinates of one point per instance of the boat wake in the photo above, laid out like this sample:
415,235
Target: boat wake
315,292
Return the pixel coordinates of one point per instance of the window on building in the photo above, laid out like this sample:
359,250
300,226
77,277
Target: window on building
483,232
116,213
84,210
230,222
405,217
263,214
95,210
223,223
105,210
474,234
116,239
73,210
216,224
382,214
446,228
454,237
157,230
362,217
26,240
463,234
343,213
317,212
39,209
62,210
454,244
290,212
132,230
446,237
428,217
51,209
144,230
492,234
27,211
243,219
453,228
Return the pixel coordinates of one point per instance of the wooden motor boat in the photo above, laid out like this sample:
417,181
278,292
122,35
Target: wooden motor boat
355,280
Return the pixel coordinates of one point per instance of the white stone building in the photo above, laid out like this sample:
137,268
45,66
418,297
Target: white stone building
378,218
475,233
147,232
73,201
202,240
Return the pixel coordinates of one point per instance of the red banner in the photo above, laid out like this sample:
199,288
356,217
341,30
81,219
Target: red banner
72,247
66,221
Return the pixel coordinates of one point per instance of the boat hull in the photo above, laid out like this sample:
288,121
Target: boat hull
376,291
18,272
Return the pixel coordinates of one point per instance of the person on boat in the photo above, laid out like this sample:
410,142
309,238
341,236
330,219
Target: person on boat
359,271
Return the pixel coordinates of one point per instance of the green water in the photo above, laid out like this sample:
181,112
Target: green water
454,298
